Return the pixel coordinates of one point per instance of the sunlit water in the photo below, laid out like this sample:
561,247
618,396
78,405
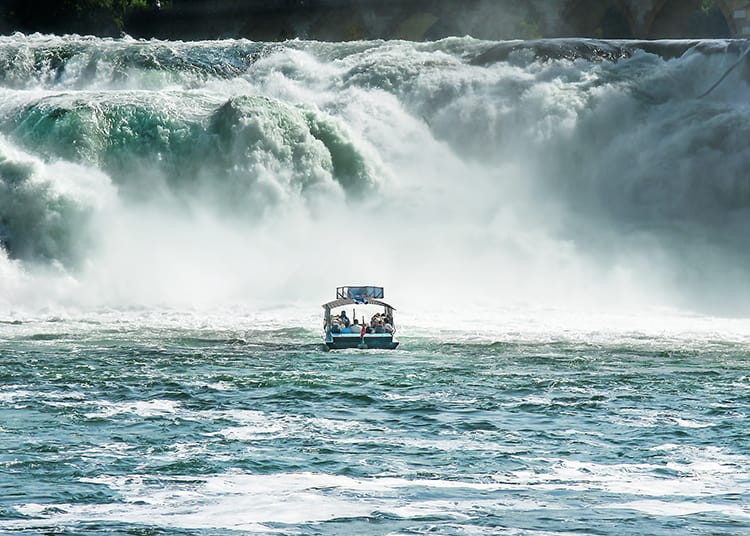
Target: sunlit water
561,226
175,423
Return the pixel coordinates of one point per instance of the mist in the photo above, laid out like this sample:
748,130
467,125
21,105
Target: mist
573,183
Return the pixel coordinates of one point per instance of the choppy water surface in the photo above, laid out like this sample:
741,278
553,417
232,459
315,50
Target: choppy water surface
162,203
176,427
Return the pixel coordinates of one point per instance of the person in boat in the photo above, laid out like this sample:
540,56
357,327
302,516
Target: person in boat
361,329
354,327
344,319
338,325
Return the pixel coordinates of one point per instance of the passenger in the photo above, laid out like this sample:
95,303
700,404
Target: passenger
344,319
388,327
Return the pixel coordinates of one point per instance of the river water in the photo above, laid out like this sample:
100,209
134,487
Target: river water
561,226
182,424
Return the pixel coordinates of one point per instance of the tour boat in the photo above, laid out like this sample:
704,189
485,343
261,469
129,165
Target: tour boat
370,330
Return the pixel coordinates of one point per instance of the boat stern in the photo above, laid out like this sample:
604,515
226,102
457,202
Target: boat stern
379,341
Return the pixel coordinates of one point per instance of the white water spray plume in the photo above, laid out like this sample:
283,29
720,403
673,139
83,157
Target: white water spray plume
570,173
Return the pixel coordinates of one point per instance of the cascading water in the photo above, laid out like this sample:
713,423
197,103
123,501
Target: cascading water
556,170
555,221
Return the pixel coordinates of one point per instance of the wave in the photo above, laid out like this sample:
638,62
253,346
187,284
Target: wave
81,62
248,149
44,208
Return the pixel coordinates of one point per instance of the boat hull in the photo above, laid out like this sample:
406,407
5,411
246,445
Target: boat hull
379,341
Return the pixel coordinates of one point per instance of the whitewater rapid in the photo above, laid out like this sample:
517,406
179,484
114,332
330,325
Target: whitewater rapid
571,173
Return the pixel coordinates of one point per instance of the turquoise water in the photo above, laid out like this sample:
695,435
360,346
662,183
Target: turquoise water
111,427
561,225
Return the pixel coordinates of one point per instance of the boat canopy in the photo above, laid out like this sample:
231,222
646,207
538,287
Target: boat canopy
348,301
360,293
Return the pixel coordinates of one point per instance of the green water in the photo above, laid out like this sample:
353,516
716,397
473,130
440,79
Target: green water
119,428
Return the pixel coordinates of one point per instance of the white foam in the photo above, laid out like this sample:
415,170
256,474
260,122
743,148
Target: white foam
439,396
251,502
10,395
649,418
697,472
681,508
143,408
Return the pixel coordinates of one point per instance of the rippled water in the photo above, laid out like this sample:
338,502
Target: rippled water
169,425
147,187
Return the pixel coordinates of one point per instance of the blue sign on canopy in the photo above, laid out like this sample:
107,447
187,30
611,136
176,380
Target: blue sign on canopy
360,294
